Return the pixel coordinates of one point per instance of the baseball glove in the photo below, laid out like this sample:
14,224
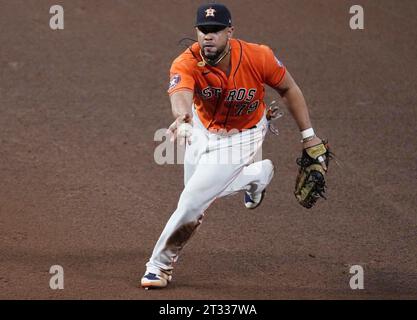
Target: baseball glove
311,183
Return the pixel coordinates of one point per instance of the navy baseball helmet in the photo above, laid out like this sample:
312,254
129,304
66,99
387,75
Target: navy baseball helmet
213,14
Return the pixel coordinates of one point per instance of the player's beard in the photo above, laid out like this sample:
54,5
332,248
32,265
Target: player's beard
211,56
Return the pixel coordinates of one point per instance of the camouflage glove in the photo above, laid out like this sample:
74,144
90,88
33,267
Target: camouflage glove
311,183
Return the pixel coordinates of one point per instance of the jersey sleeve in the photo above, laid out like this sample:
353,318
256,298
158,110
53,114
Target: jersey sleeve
274,69
181,77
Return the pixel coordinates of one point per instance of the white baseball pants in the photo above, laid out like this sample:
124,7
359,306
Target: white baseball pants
215,165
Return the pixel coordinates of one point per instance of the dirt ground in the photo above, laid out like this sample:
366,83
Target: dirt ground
80,188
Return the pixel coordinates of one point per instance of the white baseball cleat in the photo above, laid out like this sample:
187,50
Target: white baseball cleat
253,200
154,281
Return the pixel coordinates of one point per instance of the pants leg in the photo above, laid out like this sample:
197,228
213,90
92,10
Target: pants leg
193,152
207,180
254,178
205,185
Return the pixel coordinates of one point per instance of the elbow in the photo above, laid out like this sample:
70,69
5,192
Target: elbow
293,91
282,92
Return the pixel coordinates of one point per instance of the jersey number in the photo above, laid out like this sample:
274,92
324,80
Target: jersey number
251,108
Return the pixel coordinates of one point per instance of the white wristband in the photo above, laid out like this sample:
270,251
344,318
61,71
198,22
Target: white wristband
307,133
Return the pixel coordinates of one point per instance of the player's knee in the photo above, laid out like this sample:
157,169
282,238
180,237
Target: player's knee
268,165
268,168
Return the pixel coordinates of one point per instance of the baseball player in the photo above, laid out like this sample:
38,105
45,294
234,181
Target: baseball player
217,97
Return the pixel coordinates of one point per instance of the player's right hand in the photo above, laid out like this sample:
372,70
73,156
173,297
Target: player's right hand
174,133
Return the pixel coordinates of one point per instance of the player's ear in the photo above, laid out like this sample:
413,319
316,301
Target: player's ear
230,32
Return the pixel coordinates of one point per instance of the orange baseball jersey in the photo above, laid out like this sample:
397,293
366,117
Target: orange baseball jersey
234,102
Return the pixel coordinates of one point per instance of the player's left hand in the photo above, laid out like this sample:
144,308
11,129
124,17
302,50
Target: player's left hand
315,141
